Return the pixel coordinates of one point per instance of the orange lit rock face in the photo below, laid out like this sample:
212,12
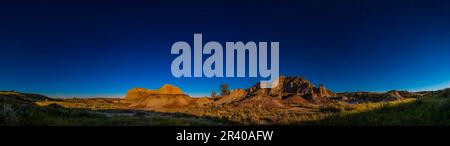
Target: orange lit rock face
236,94
288,86
169,89
136,94
324,92
167,98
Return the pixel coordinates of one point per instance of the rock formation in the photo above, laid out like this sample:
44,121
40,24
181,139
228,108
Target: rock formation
288,86
236,94
378,97
166,98
324,92
290,91
442,93
169,89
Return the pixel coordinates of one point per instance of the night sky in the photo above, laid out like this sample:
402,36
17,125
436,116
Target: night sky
103,48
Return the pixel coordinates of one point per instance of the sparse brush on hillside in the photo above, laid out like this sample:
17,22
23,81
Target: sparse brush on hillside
17,109
429,110
399,108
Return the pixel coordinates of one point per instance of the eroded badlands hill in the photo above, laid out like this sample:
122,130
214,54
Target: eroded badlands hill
289,91
166,98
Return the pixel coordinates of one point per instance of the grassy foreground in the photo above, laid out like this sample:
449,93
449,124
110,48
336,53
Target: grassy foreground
424,111
19,109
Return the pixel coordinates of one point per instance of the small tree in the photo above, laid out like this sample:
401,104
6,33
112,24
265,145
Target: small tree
224,90
213,94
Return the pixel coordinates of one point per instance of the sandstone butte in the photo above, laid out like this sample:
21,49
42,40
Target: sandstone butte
138,93
168,97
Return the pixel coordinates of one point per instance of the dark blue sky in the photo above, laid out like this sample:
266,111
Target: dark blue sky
104,48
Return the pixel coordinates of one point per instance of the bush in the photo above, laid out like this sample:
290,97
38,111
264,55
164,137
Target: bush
8,115
443,105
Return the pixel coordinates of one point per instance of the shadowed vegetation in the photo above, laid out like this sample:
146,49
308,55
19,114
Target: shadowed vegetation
17,109
430,110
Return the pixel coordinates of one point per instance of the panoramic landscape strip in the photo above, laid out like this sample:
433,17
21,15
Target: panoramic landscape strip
296,101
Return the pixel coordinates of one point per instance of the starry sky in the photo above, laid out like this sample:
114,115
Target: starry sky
70,48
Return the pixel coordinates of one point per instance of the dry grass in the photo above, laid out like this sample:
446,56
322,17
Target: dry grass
290,115
24,109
